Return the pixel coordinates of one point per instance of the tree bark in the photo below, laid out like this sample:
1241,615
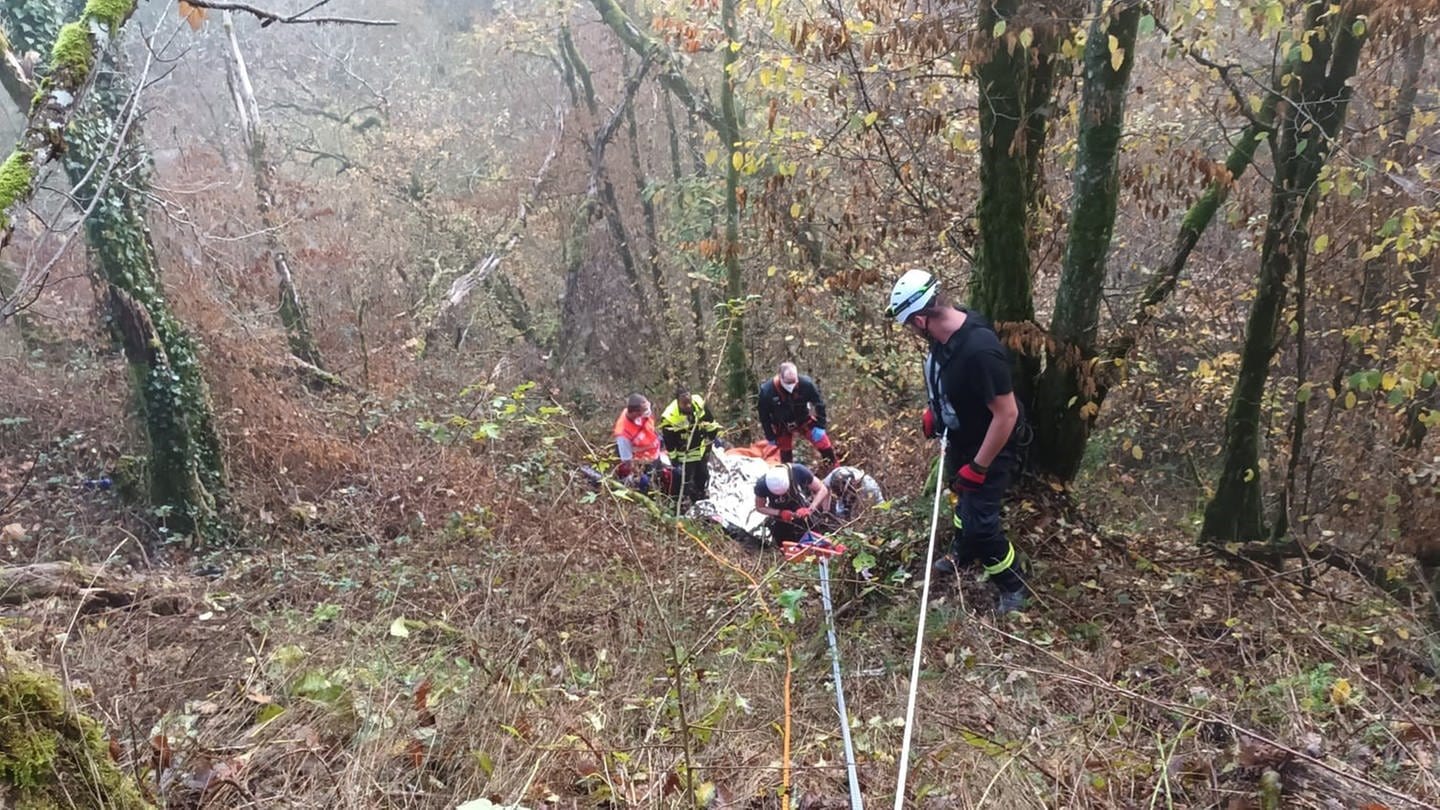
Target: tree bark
293,314
599,199
697,293
186,470
1015,85
1065,404
663,298
739,379
74,50
1316,99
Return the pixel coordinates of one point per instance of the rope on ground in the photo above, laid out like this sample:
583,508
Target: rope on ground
919,637
856,802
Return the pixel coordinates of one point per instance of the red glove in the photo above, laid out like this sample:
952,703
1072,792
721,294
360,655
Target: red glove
624,470
802,513
969,479
928,421
786,515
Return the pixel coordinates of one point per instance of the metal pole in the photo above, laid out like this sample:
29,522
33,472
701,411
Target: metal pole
856,802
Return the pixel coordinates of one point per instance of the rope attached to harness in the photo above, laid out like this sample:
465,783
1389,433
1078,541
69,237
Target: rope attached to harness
856,802
920,633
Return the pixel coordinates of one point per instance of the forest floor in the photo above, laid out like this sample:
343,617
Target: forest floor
561,647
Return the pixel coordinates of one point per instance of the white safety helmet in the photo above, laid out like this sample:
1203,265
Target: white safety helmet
777,480
912,293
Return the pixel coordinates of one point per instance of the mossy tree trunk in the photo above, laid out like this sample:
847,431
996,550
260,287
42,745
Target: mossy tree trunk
1316,97
50,754
186,469
1063,406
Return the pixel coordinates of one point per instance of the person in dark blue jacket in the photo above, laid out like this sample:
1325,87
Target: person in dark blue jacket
790,403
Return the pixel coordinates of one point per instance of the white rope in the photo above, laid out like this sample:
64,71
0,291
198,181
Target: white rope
920,633
856,802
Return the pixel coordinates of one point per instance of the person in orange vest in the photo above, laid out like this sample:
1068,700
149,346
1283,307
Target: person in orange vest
789,403
637,441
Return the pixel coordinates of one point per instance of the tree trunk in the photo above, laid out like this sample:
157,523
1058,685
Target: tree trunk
599,199
663,298
75,50
186,471
739,380
1065,404
1000,285
697,293
1015,84
1315,104
54,755
293,314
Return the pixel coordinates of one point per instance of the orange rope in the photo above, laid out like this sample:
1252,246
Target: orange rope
789,660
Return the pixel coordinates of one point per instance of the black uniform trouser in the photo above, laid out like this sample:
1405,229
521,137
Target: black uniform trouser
788,531
979,534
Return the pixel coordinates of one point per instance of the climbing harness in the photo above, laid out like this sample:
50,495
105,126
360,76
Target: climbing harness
920,632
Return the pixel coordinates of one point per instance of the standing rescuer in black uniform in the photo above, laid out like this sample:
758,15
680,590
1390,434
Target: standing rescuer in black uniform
971,399
789,403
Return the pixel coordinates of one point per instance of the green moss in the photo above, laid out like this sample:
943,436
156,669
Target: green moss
47,750
112,13
16,175
73,50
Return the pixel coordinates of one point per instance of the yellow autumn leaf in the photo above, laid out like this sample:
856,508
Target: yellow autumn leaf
1388,380
1340,692
1350,400
1026,37
1321,242
1137,452
737,160
795,210
1249,474
1117,53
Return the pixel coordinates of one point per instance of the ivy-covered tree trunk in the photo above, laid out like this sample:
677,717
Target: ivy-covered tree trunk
185,466
1065,404
1316,97
739,380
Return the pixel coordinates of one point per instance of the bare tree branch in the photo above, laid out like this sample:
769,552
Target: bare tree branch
271,17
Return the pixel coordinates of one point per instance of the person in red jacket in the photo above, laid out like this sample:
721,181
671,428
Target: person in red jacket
637,441
789,403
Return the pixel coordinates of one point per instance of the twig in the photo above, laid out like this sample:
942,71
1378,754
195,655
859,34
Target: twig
1087,678
270,17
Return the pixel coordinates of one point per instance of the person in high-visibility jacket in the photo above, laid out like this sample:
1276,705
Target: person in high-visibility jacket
688,434
642,456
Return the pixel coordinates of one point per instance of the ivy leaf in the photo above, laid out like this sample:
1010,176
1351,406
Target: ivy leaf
1146,26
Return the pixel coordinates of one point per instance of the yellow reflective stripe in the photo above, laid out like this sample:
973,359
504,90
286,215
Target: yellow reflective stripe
1009,560
959,524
